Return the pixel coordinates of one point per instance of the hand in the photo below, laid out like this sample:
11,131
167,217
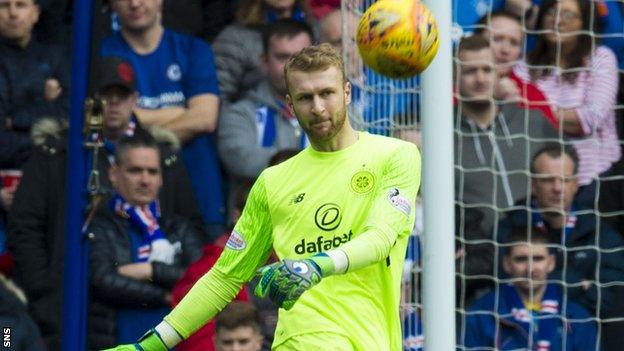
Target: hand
285,281
506,90
138,271
6,197
52,89
151,341
163,251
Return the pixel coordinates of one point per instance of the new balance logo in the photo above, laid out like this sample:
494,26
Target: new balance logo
297,199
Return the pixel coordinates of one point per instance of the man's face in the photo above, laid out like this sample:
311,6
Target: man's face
240,339
319,100
554,185
138,177
530,264
506,42
17,19
476,75
138,15
279,51
119,106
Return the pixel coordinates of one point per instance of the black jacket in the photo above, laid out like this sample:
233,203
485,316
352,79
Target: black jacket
588,255
24,335
37,223
23,72
110,248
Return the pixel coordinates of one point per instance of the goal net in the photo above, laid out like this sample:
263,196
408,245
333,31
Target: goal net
553,85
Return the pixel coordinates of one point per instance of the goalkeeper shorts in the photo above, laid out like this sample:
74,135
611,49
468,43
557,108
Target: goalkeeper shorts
316,342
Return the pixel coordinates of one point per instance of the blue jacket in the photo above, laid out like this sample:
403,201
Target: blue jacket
588,256
509,332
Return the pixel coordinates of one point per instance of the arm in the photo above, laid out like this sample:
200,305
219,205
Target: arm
238,142
186,123
600,96
392,214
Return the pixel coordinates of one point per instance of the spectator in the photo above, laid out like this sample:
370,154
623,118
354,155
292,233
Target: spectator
491,136
36,234
34,80
590,256
580,79
239,328
261,124
24,335
528,312
177,85
238,47
136,255
504,31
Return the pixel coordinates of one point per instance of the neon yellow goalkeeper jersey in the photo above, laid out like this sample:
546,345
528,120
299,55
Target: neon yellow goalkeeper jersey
317,201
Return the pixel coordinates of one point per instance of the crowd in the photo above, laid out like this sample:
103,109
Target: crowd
195,110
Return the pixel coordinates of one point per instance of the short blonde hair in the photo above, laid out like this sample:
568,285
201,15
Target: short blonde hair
315,58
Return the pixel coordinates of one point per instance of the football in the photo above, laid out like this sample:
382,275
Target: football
397,38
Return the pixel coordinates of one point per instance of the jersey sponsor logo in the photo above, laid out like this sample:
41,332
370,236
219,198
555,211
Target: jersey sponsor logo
166,99
399,201
362,181
322,243
236,241
174,73
328,217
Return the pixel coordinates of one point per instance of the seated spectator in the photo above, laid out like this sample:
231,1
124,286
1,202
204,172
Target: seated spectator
580,79
528,312
238,47
261,124
504,31
136,255
178,91
238,328
36,233
34,81
24,335
492,142
590,256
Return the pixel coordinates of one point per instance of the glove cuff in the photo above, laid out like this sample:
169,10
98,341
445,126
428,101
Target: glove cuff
152,341
324,264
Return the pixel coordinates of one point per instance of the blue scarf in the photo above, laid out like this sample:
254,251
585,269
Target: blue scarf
542,324
144,219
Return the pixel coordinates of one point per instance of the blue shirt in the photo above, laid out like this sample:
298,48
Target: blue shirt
180,68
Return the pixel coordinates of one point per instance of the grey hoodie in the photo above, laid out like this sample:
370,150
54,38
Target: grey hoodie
240,133
492,165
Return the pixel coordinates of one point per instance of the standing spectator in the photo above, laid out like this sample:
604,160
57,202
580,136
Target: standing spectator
580,80
36,234
504,31
136,254
178,90
239,46
590,256
239,328
253,129
34,80
489,135
534,313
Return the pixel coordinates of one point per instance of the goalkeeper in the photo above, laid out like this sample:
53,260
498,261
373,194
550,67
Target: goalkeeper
338,215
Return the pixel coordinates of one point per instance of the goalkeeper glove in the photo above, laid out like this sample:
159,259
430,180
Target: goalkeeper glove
286,280
151,341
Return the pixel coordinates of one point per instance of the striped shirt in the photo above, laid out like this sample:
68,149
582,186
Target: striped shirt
593,96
